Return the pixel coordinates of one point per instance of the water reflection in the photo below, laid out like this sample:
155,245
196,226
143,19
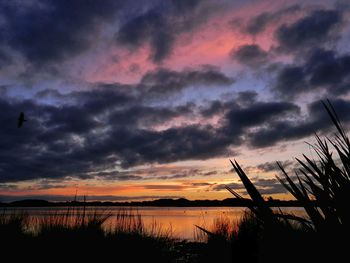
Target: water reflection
180,220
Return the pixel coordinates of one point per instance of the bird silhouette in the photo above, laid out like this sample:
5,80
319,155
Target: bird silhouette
21,120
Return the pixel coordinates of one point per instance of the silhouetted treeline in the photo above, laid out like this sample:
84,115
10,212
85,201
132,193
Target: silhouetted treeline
181,202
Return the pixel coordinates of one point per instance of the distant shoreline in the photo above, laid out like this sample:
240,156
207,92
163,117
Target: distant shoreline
181,202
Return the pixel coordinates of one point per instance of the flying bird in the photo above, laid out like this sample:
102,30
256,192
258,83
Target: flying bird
21,120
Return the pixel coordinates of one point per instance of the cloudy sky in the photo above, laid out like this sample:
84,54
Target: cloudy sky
130,100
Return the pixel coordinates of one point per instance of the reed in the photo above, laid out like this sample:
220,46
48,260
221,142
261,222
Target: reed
12,224
83,235
322,187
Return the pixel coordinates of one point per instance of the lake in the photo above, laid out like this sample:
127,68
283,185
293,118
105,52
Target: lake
180,220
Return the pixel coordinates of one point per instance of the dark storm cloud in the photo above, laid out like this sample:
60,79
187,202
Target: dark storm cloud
155,84
328,68
258,113
185,173
238,118
290,82
207,76
184,6
247,97
81,140
153,173
151,27
272,166
214,108
286,130
315,66
5,59
145,116
210,173
323,69
222,187
251,55
264,186
160,26
173,144
104,129
49,93
281,131
105,96
244,103
260,22
269,186
70,140
116,175
50,31
261,182
317,28
273,189
48,144
165,81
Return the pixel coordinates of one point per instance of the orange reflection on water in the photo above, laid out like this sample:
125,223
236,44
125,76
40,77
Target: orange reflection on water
178,221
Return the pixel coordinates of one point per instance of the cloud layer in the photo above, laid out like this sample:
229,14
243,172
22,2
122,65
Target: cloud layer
261,87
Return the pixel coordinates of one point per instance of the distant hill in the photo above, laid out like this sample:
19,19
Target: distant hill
29,202
181,202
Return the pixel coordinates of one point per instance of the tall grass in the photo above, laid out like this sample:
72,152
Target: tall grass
12,224
83,235
123,221
74,225
129,221
222,227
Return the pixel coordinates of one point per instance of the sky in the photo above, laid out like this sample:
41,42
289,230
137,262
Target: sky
140,100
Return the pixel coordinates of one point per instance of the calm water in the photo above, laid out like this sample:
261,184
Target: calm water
180,220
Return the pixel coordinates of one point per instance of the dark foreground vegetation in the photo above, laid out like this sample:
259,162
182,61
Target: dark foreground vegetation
79,237
263,235
321,236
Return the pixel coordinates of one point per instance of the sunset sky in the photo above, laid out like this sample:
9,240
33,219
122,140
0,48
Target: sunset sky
139,100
